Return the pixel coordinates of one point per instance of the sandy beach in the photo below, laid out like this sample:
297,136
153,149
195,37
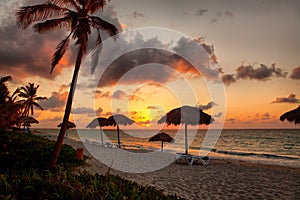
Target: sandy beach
220,179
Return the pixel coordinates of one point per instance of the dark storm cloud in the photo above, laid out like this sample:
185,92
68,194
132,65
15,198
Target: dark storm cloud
295,73
261,73
290,99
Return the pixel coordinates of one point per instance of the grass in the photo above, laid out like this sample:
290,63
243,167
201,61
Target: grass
24,174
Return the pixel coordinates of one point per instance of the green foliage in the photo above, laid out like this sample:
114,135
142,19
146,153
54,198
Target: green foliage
20,151
24,174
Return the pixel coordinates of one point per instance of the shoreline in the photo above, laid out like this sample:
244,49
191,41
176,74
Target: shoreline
221,178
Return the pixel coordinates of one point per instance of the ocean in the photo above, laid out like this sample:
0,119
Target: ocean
269,146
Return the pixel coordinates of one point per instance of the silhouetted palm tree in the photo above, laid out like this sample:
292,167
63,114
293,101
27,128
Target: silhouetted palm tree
10,110
75,15
29,93
4,92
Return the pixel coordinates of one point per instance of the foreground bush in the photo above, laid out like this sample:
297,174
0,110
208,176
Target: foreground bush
19,151
24,174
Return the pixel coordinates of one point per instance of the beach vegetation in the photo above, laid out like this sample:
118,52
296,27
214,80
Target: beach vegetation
24,174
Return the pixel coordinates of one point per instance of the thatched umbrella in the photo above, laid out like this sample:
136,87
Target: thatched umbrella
27,120
116,120
69,125
163,137
292,116
186,115
99,121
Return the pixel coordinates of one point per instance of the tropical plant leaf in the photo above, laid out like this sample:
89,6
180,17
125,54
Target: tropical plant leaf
49,25
60,51
101,24
29,14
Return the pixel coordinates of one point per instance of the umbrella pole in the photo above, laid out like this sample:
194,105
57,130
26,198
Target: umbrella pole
186,138
162,145
119,143
101,135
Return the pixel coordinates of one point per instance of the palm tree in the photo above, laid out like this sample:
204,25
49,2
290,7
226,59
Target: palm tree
4,92
29,93
75,15
10,110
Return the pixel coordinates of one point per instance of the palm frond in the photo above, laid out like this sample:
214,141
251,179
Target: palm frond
101,24
38,105
40,98
28,14
60,51
96,5
96,53
5,79
48,25
66,3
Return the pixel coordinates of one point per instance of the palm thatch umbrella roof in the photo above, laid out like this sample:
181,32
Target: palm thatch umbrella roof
116,120
69,125
99,121
292,116
186,115
28,120
163,137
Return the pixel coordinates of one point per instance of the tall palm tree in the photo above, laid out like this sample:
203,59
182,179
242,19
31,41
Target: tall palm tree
75,15
29,93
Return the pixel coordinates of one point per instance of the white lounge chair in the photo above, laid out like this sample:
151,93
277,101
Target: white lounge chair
191,159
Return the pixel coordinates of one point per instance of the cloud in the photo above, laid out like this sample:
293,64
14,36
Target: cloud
265,116
207,106
100,94
218,115
290,99
55,102
25,53
146,64
231,120
261,73
228,79
152,107
83,110
201,12
295,73
138,15
99,111
119,94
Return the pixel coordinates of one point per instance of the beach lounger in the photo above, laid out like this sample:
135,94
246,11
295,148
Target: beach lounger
191,159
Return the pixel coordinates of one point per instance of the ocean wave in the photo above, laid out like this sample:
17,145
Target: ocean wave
263,155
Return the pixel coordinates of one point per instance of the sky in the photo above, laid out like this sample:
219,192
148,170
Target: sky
253,46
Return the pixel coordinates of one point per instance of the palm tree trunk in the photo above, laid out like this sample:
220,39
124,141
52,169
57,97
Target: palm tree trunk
186,139
63,128
119,142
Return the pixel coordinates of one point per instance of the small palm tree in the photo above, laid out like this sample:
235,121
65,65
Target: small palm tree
29,93
75,15
4,92
10,110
